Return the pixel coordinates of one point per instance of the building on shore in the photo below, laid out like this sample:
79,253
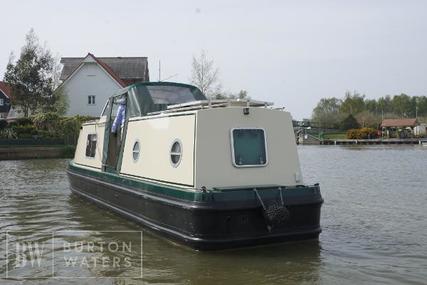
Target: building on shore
89,81
398,128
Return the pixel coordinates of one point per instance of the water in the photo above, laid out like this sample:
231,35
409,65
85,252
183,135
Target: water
374,228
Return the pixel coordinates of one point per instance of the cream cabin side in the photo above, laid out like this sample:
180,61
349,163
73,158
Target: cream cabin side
90,144
218,163
161,148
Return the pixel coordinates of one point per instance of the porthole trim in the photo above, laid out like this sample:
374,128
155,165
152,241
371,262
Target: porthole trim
133,150
175,165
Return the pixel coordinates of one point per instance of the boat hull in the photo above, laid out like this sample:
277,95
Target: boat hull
206,220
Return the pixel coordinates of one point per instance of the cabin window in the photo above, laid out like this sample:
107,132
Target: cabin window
91,145
176,153
91,100
248,147
1,102
135,151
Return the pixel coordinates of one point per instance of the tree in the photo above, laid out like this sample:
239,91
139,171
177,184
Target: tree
353,103
243,94
385,105
402,106
32,77
371,105
348,123
59,101
421,105
368,119
205,75
326,113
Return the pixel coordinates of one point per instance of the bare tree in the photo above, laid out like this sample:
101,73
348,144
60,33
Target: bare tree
205,75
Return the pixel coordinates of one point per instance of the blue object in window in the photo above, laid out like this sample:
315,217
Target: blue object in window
121,116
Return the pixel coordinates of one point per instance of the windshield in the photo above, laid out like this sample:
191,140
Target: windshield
150,97
170,95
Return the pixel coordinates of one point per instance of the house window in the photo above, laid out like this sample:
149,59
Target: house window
176,153
1,102
91,99
248,147
91,145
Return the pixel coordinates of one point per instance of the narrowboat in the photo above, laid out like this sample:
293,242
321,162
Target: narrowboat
210,174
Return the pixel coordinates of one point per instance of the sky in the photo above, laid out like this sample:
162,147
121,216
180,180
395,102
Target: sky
292,53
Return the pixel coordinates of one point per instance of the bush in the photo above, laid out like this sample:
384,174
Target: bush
22,122
46,125
363,133
47,122
3,124
70,127
8,133
24,132
348,123
68,151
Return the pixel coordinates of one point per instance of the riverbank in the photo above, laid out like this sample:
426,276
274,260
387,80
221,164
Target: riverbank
415,141
36,151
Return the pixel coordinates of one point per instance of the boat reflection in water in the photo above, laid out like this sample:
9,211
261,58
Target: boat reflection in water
165,262
208,174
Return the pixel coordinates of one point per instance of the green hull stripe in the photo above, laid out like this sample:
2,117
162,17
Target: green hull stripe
192,195
139,185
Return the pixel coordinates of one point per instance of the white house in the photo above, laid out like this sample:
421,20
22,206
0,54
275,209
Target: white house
89,81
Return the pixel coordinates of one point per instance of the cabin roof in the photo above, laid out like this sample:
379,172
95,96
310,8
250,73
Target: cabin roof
387,123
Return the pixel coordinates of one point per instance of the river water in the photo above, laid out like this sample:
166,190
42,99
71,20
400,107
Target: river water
374,222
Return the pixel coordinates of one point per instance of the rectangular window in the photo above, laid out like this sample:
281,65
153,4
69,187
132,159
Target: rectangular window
91,99
248,147
91,145
1,102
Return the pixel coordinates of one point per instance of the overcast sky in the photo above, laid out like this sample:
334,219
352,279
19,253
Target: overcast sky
290,52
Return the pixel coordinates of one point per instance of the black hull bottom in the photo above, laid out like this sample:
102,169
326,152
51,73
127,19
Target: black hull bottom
211,224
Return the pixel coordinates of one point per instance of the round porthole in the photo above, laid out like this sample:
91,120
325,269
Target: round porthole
135,151
176,153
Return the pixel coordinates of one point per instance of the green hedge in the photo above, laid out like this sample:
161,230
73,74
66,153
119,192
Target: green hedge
44,126
30,142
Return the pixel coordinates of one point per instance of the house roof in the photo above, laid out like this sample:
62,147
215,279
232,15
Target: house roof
399,123
5,88
122,69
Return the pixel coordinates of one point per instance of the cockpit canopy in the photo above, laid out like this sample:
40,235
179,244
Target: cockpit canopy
146,97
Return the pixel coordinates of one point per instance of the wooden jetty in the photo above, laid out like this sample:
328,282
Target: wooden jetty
373,141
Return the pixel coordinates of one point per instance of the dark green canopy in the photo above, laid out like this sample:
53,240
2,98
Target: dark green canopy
147,97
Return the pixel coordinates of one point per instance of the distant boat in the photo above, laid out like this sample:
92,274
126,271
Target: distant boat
210,174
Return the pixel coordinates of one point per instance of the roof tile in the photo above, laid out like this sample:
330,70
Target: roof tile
125,69
5,88
399,123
